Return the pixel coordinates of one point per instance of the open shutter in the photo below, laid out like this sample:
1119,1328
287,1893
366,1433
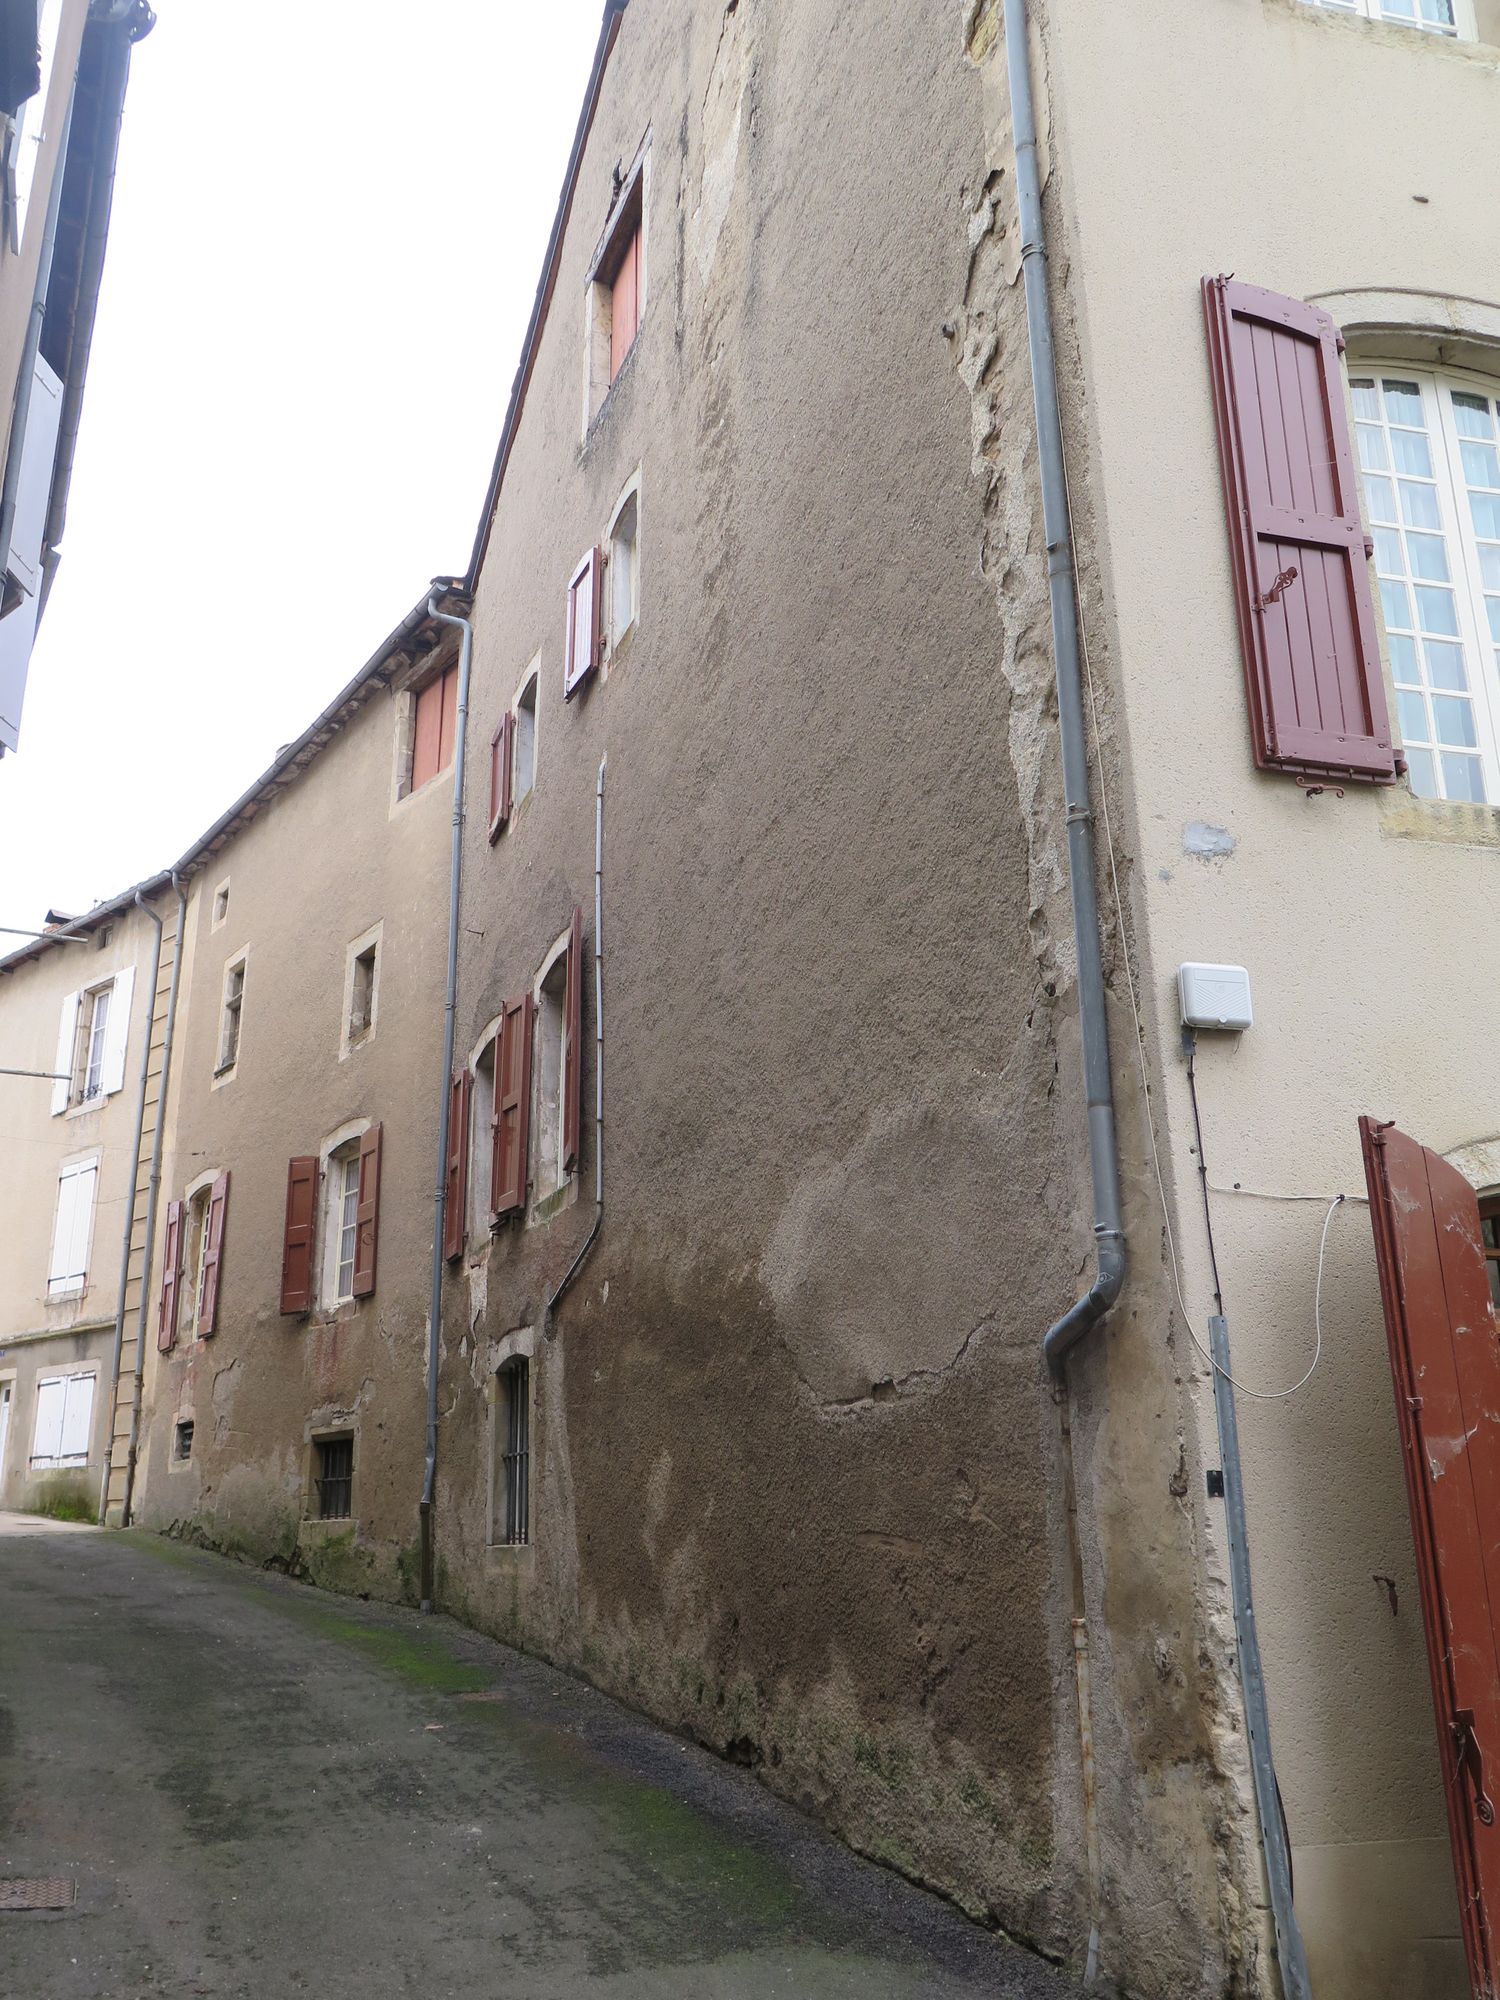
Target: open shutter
502,757
456,1194
77,1417
213,1250
1301,570
509,1156
117,1033
23,560
367,1214
171,1277
624,304
46,1437
67,1052
572,1078
297,1242
1446,1362
585,626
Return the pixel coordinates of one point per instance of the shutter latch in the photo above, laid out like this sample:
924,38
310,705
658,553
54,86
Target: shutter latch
1286,578
1469,1757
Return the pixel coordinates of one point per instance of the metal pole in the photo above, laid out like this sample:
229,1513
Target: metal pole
118,1348
49,1075
450,1010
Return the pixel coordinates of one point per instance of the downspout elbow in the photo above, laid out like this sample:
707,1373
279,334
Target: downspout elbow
1080,1320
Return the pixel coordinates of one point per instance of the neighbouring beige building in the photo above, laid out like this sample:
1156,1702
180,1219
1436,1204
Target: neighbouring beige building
64,69
293,1242
791,1088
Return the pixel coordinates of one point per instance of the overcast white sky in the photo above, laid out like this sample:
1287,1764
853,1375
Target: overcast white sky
328,227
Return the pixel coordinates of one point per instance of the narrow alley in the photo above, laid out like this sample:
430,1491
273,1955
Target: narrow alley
261,1790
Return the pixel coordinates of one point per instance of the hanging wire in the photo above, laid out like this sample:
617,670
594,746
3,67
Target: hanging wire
1337,1201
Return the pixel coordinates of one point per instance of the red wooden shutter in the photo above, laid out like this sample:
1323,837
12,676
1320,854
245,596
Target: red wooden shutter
1301,573
427,735
624,304
1446,1362
502,756
572,1078
585,625
367,1213
456,1196
448,719
509,1158
213,1250
171,1277
297,1241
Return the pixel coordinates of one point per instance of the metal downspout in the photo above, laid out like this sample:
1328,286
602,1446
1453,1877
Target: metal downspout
152,1192
1109,1233
588,1242
118,1348
450,1011
26,376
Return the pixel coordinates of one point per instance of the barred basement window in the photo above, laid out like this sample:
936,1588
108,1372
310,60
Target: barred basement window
513,1430
1429,448
333,1478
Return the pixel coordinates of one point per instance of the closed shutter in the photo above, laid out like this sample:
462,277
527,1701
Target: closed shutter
297,1242
502,757
509,1158
581,644
427,735
68,1270
456,1188
17,631
367,1214
34,481
77,1417
1445,1360
572,1077
46,1437
1301,571
213,1251
624,305
171,1276
117,1033
448,726
67,1052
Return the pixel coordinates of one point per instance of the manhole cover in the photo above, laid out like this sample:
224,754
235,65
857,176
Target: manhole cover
56,1892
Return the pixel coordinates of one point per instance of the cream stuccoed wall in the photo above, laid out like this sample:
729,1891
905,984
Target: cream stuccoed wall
1289,146
36,1143
331,858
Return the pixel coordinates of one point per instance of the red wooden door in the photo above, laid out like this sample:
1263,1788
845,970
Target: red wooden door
1445,1360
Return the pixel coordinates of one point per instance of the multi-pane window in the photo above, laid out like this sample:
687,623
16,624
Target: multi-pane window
197,1260
93,1026
1437,17
234,1007
1429,447
1489,1230
346,1220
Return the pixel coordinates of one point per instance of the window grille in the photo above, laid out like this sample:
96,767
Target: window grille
185,1439
334,1484
515,1460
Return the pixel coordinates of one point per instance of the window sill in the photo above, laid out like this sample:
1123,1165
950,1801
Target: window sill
1404,33
1449,822
548,1206
511,1550
67,1296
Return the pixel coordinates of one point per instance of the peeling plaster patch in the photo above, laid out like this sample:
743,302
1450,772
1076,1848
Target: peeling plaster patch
723,116
479,1292
1207,843
226,1380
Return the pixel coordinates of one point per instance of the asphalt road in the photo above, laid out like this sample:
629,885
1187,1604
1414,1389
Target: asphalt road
262,1791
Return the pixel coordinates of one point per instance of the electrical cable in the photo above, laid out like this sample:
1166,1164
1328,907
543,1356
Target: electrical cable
1337,1201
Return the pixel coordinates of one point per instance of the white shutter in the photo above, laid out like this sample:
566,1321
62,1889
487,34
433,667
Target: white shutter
17,630
117,1032
70,1233
61,1267
85,1181
78,1416
67,1048
34,479
46,1440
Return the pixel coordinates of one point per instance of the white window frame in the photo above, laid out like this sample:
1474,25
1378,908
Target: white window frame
482,1130
197,1199
619,629
337,1148
532,678
598,296
547,1107
1461,544
30,128
1465,24
60,1460
225,1066
78,1250
352,1037
219,907
93,1037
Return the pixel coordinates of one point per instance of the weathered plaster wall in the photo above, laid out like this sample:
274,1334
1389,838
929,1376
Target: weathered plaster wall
798,1476
1286,145
331,856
